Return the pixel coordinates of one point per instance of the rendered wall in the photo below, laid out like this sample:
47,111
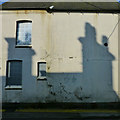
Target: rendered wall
119,55
79,67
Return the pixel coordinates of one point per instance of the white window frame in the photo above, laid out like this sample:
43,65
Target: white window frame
38,70
17,35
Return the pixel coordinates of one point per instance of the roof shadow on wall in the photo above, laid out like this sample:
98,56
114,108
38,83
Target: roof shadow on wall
93,84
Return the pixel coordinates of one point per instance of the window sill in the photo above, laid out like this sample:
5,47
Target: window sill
41,78
13,87
23,46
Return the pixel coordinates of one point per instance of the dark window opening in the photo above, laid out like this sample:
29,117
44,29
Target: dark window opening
14,72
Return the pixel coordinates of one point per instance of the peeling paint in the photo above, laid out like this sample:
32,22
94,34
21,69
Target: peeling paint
70,57
50,86
80,94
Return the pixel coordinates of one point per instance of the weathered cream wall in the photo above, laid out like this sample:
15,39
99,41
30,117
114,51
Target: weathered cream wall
119,55
0,66
79,67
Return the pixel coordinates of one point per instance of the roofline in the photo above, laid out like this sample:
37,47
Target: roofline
95,9
68,11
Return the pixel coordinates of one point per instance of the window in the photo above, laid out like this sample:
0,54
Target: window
24,31
41,70
14,73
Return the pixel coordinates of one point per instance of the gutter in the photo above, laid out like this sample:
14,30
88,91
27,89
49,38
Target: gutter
82,7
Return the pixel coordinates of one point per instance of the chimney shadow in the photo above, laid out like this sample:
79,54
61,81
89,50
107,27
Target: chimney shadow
25,55
97,64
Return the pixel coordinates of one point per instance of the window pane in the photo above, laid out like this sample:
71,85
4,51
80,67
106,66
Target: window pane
42,70
24,31
14,73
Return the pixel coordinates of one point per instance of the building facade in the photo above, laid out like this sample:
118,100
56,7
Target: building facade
60,56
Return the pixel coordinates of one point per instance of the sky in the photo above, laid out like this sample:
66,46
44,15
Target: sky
3,1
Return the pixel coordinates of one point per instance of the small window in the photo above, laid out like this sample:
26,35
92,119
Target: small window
41,70
24,31
14,73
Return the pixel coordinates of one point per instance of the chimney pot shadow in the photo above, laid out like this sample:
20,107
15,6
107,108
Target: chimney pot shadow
97,64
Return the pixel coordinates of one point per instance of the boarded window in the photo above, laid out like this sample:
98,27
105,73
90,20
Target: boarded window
24,31
14,72
41,70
